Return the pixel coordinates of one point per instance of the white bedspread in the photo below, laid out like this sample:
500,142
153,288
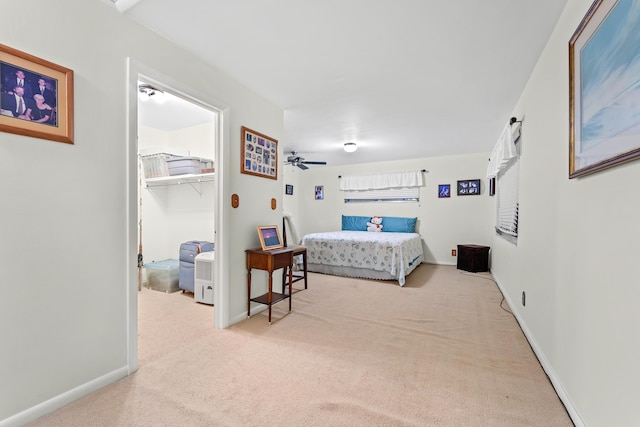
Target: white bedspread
394,253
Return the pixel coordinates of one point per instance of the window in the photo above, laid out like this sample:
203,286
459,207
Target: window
504,164
507,185
411,194
385,187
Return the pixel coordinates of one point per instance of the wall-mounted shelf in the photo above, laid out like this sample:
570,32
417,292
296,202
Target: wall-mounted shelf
180,179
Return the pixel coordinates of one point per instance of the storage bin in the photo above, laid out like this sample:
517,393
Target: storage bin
206,164
155,165
163,275
187,165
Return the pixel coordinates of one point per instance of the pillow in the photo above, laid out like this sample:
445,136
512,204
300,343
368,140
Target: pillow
355,223
399,224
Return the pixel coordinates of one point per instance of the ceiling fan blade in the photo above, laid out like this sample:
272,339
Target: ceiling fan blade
301,166
315,163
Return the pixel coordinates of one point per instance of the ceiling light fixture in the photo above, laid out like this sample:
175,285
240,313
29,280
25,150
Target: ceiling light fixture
350,147
147,92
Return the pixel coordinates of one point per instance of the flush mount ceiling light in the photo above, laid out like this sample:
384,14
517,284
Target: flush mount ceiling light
147,92
350,147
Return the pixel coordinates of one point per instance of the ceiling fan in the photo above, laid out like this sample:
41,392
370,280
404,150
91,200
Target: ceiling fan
298,161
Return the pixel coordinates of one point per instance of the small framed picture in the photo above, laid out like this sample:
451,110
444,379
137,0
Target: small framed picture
469,187
444,190
269,237
319,192
288,189
492,186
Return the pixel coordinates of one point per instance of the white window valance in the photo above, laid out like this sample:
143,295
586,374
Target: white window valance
505,151
381,181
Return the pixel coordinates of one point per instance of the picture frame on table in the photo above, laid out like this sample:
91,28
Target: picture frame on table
36,97
259,154
269,237
469,187
604,76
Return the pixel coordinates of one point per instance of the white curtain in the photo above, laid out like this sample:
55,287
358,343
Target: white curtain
381,181
504,151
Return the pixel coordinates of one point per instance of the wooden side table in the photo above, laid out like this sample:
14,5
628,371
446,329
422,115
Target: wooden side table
270,261
473,258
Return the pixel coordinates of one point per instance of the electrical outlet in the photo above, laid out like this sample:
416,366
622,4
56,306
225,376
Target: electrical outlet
453,252
524,298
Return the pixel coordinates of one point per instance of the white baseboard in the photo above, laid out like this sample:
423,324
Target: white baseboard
63,399
546,365
435,262
242,316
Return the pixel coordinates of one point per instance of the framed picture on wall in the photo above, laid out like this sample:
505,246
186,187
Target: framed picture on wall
469,187
259,154
604,71
319,192
444,190
288,189
36,97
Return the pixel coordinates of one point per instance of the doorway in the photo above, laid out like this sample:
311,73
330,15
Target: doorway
176,147
213,122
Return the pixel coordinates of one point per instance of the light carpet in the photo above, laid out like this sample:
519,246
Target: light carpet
439,351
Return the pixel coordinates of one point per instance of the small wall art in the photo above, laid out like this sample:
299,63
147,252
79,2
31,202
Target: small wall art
444,190
319,192
469,187
259,154
288,189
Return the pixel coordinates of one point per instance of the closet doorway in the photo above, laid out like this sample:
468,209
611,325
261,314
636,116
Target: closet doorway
219,313
176,148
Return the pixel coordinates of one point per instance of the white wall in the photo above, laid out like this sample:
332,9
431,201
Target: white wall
196,140
176,213
64,217
576,253
443,222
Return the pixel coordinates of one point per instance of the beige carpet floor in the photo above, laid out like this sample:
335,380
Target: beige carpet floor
438,352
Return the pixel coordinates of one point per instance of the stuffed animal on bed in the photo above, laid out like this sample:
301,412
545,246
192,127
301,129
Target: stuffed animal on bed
375,224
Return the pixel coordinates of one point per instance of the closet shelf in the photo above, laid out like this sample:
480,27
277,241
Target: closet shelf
180,179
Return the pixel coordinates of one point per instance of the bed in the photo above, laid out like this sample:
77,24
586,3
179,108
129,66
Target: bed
364,254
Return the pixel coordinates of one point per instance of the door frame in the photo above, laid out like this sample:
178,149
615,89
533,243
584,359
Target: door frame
135,71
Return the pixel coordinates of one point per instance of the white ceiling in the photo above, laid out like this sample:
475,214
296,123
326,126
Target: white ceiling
172,113
402,79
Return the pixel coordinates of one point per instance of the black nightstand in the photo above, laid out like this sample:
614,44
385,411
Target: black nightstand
473,258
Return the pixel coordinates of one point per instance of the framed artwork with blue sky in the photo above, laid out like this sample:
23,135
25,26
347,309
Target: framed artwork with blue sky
604,82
